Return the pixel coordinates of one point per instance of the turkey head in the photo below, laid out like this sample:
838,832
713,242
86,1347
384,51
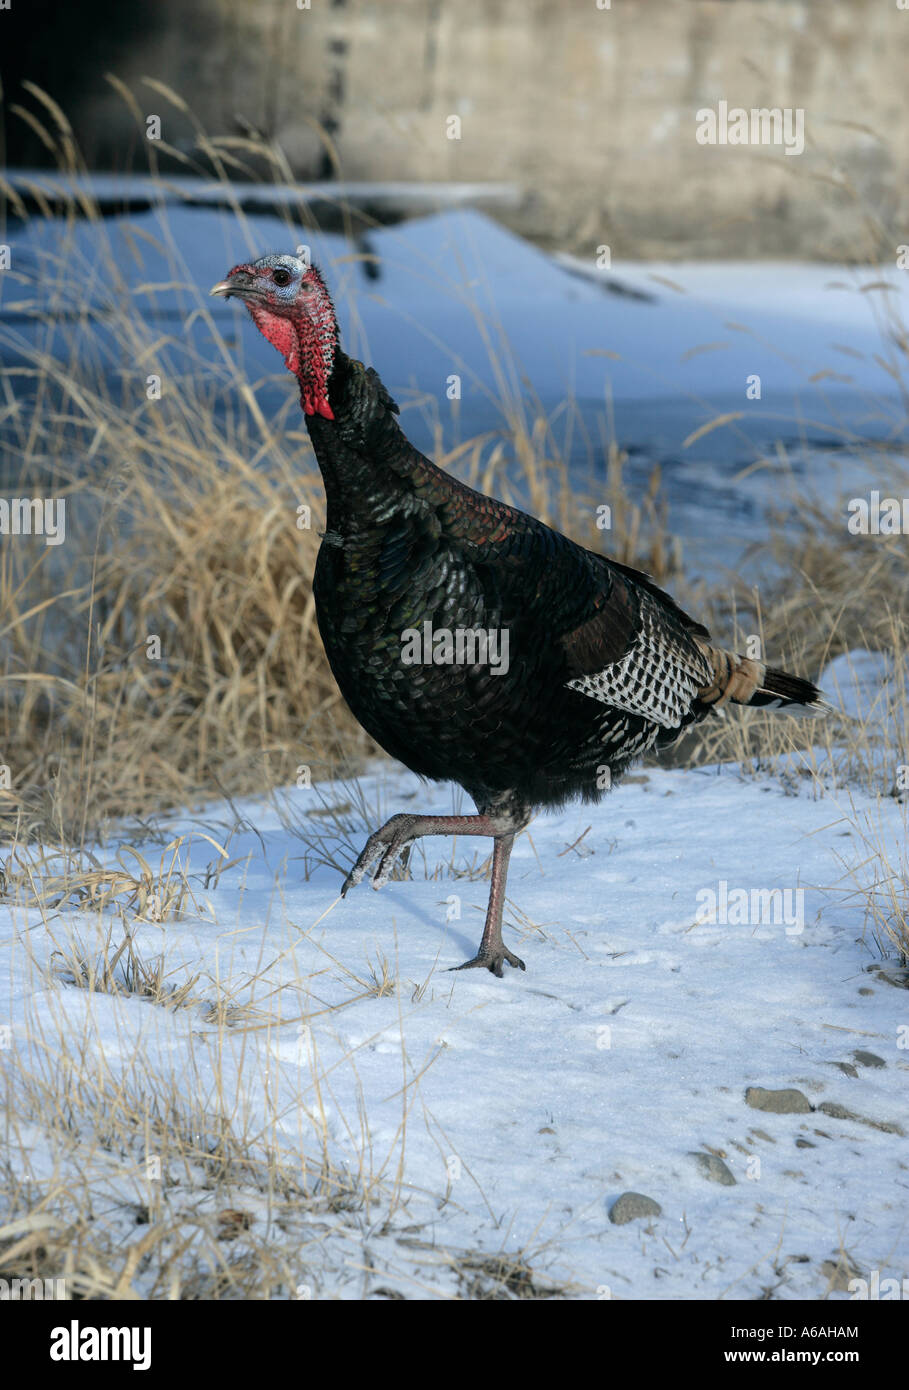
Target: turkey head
291,307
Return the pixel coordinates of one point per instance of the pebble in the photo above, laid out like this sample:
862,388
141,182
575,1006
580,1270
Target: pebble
786,1102
869,1059
714,1169
839,1112
630,1206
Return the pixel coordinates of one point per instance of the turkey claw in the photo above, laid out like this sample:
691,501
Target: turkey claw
492,960
386,844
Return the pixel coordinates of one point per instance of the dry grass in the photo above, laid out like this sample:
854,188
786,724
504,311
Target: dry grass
148,1195
829,597
174,646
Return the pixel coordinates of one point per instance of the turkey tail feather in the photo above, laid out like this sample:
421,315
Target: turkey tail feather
745,681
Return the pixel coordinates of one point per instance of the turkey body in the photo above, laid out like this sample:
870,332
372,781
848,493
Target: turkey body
409,549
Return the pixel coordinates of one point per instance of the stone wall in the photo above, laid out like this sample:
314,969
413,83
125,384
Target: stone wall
591,111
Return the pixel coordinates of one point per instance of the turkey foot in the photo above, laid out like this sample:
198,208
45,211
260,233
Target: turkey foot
492,961
397,835
385,844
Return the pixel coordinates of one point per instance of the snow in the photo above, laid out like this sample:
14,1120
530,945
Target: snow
864,685
511,1114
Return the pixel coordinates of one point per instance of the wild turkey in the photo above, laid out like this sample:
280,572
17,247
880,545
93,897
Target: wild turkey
572,665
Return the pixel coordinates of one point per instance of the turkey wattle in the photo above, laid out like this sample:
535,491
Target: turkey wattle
475,644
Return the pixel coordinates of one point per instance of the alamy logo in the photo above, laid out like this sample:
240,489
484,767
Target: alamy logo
460,646
20,1290
75,1343
762,125
754,907
878,516
876,1289
34,516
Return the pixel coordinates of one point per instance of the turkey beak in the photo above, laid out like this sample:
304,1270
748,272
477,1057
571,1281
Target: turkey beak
237,284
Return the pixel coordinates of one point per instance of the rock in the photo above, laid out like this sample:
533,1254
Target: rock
839,1112
713,1169
868,1059
787,1102
630,1206
846,1068
804,1144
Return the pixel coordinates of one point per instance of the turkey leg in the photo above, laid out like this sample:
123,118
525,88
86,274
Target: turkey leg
399,833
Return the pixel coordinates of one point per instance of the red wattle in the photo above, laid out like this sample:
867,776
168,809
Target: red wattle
314,401
307,345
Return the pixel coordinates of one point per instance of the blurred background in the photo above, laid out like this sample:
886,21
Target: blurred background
587,110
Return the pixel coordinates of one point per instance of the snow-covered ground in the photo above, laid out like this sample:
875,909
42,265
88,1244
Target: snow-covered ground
487,1117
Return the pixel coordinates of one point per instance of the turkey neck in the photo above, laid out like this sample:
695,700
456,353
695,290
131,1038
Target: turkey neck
371,471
